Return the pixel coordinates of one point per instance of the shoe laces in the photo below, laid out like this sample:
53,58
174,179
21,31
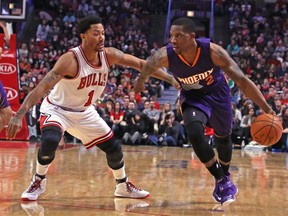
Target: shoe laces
131,187
35,185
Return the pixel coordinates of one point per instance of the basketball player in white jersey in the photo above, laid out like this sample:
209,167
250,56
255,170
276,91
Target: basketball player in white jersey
78,78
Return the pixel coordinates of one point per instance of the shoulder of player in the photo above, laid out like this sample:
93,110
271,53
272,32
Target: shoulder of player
67,64
218,54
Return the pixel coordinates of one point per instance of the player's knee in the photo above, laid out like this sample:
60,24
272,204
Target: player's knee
223,142
114,153
50,138
195,132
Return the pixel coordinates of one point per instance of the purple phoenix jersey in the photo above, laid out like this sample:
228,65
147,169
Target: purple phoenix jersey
3,99
203,86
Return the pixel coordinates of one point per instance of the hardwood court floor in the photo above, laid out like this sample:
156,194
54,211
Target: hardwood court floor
79,183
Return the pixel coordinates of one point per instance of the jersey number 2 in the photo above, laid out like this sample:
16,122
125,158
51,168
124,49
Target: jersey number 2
209,79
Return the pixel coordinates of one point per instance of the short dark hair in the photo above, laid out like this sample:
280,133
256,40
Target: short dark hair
188,24
167,116
85,23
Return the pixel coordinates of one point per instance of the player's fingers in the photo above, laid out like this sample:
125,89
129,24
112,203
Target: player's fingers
11,131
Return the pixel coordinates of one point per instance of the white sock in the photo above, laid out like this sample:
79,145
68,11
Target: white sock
119,173
41,169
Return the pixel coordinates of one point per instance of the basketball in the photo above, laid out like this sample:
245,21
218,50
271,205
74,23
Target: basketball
266,129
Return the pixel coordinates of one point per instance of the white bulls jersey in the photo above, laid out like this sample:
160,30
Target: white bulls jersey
85,88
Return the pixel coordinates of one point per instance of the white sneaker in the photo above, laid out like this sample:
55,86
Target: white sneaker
128,190
36,188
126,205
33,209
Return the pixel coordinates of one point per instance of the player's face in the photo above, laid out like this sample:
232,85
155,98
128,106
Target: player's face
180,40
95,37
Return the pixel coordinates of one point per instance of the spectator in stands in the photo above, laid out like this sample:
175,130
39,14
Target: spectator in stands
130,111
144,104
166,108
169,131
23,51
116,118
156,102
278,107
42,31
108,108
82,10
233,48
246,123
134,129
70,18
119,94
134,97
153,114
179,118
24,65
126,103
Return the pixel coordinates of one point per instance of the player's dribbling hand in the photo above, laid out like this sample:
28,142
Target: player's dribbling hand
13,127
272,112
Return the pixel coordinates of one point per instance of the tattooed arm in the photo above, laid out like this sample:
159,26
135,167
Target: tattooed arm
116,56
222,59
152,66
65,63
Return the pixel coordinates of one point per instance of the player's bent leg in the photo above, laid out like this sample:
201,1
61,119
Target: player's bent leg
115,161
224,149
51,135
224,191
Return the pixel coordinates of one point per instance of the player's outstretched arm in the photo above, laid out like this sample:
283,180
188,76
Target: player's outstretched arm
116,56
222,59
46,84
152,67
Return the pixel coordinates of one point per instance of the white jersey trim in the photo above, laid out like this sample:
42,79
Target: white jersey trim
99,140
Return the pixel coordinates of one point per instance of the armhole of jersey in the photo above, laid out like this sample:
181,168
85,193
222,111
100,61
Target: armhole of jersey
78,64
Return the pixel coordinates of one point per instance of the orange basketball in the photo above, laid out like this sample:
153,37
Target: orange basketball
266,129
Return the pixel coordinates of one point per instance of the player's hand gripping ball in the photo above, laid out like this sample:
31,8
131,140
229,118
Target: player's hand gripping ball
266,129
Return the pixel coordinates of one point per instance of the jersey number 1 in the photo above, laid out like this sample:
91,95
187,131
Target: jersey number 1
90,96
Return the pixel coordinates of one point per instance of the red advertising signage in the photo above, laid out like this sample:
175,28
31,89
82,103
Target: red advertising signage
9,78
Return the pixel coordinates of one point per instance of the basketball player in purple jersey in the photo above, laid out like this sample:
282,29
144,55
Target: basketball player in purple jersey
78,79
198,65
5,110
